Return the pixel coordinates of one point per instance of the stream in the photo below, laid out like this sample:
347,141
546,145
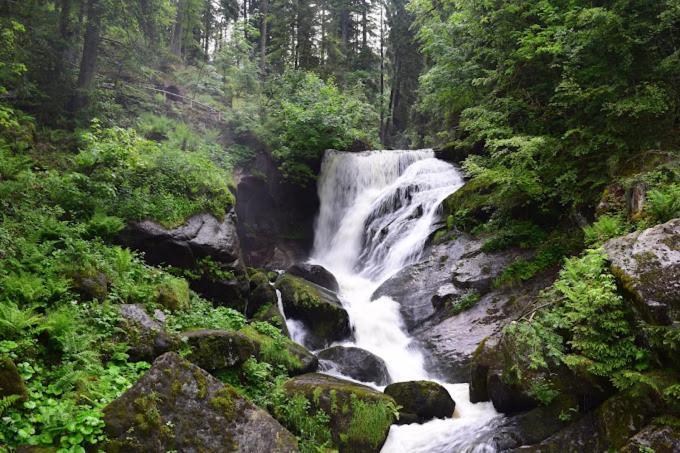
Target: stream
377,210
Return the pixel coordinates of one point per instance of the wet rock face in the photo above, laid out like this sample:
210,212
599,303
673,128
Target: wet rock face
275,218
360,417
217,349
421,400
315,274
647,265
178,406
450,343
317,308
414,286
145,334
356,363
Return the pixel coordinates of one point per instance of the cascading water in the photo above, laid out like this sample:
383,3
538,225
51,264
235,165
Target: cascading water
377,210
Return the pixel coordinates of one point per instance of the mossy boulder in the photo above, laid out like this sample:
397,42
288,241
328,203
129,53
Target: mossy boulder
262,294
316,274
502,373
177,406
360,417
421,401
145,334
356,363
173,294
11,382
214,350
272,314
281,351
90,284
317,308
610,427
647,266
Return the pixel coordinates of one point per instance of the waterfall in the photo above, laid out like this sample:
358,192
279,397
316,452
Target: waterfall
377,210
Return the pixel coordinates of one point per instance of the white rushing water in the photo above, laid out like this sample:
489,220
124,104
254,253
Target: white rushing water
377,210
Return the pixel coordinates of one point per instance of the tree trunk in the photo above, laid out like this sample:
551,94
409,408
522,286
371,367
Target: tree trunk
263,34
364,26
88,63
178,31
146,22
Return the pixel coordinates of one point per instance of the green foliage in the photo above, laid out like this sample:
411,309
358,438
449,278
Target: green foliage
465,302
308,116
523,234
550,252
136,179
560,95
201,314
663,204
544,392
586,326
604,228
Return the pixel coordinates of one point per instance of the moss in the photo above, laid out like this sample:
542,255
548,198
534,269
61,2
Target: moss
303,294
173,294
147,416
10,379
273,351
370,422
224,402
201,383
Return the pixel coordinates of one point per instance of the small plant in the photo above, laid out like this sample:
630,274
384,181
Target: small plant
465,302
605,228
664,203
543,391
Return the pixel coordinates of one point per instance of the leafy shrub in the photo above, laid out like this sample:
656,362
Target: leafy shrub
663,203
202,314
307,116
603,229
586,327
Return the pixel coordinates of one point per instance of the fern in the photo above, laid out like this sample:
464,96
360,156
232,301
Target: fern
6,402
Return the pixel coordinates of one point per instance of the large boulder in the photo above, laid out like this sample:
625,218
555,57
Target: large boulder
647,264
177,406
202,236
215,350
356,363
359,416
610,427
421,401
316,274
654,437
451,341
145,334
317,308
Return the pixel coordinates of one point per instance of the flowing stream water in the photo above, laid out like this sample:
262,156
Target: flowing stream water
377,210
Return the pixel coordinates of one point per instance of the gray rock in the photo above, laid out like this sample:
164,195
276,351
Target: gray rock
451,342
423,399
478,270
218,349
180,407
647,265
659,438
201,236
145,335
356,363
315,274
